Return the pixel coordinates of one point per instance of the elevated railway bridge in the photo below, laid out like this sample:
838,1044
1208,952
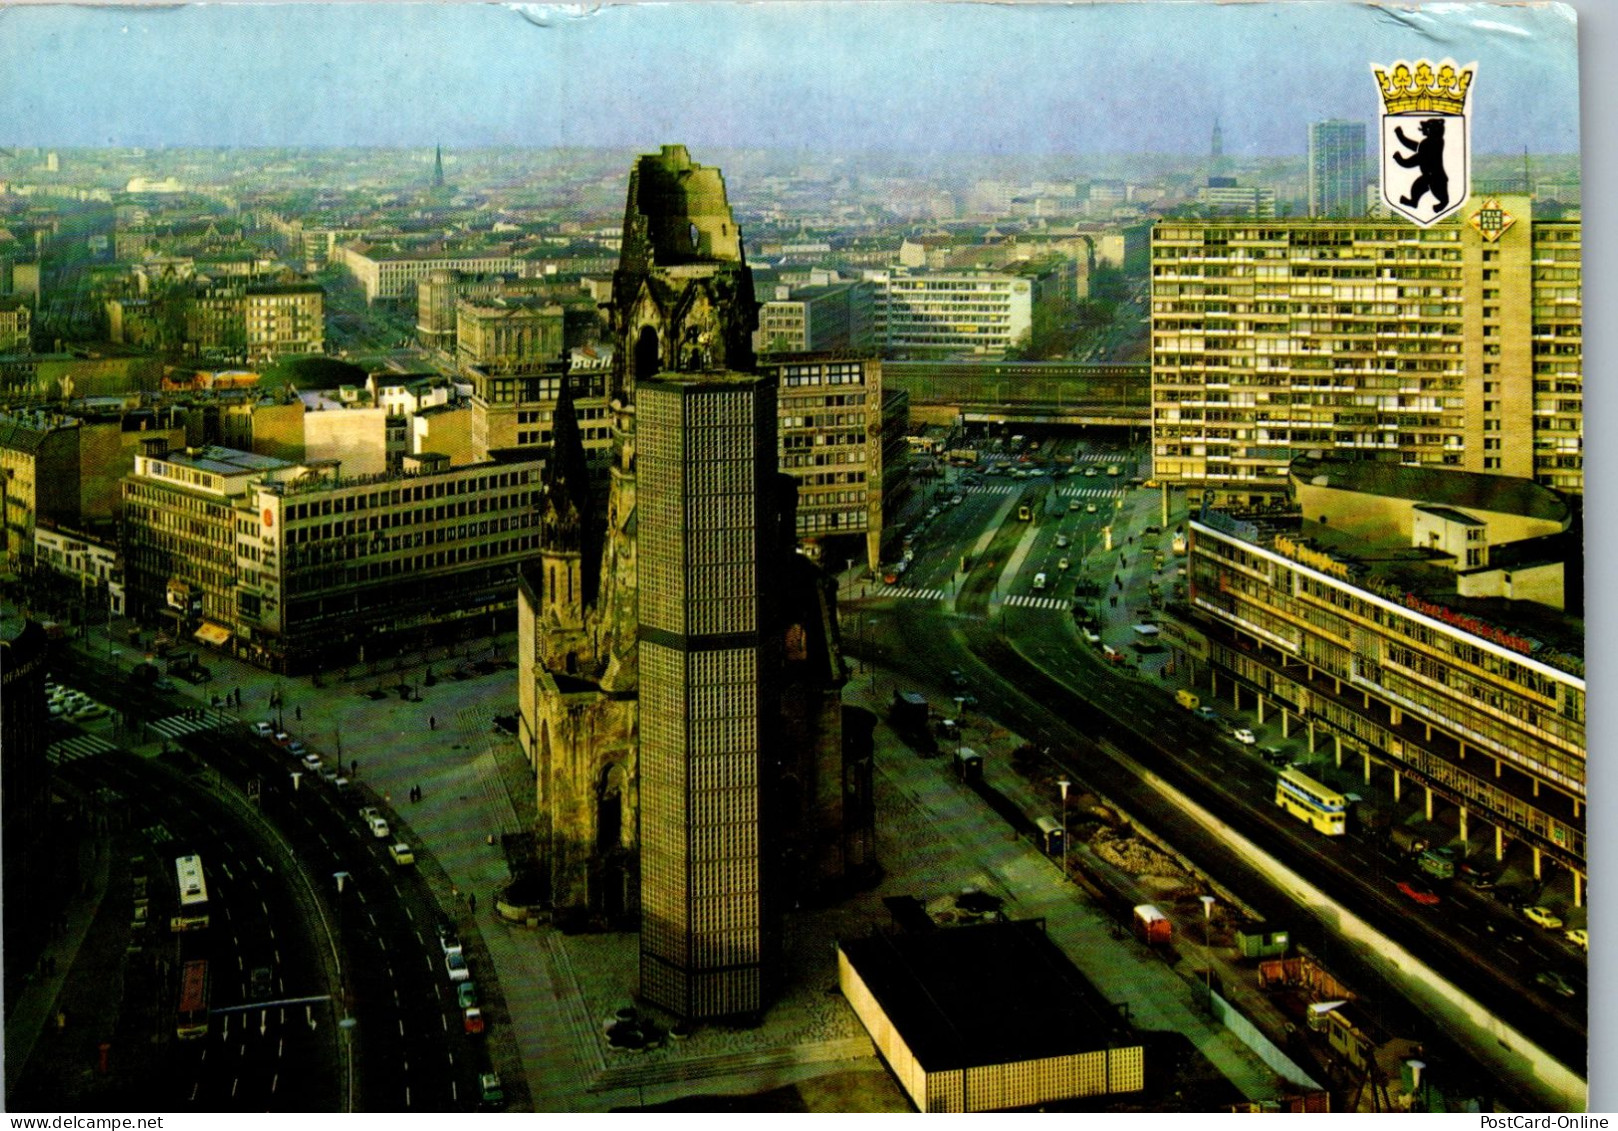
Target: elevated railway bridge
1024,392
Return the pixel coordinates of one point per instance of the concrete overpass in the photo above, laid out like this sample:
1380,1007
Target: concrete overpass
1024,392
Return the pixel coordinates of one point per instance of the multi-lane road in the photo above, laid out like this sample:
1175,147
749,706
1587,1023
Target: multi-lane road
326,995
1028,668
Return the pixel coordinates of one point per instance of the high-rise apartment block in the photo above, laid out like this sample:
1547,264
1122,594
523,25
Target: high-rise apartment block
1337,171
1460,346
707,465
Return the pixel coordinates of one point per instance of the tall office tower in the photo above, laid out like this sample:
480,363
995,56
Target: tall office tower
707,481
1459,345
1337,169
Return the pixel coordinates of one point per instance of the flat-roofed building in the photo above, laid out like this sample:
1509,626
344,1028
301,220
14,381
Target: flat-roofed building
1456,681
297,565
507,333
1459,345
987,1017
950,313
392,273
830,441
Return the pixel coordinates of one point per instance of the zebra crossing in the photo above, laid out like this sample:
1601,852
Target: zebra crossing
75,748
1025,601
1090,492
914,594
178,726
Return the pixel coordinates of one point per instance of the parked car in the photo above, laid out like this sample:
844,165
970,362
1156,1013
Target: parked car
1542,917
1206,713
312,763
1419,892
297,749
472,1020
1244,736
401,854
1579,937
263,730
455,964
379,828
466,994
449,939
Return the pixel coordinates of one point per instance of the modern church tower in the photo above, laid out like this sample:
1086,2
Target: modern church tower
707,470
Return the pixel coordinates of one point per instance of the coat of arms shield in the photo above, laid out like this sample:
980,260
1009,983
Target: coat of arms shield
1426,150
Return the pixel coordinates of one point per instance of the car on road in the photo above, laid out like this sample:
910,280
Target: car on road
259,985
1542,917
297,749
1089,637
449,939
1579,937
1419,892
164,684
281,738
1244,736
263,730
379,828
890,578
1554,982
1062,563
1089,473
472,1020
489,1088
1274,755
86,712
1062,541
955,500
1074,505
401,854
1089,508
466,994
1206,713
455,964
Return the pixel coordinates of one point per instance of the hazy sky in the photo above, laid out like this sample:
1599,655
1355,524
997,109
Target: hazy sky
1104,78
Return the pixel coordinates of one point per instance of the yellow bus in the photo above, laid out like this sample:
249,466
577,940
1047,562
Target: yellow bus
1325,810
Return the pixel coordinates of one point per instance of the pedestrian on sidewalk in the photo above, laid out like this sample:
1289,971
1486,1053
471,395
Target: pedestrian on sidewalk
471,903
299,712
432,722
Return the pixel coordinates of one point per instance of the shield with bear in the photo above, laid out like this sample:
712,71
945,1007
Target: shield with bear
1426,150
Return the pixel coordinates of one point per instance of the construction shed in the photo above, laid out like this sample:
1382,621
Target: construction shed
987,1018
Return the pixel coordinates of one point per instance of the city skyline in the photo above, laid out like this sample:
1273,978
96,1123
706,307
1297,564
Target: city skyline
895,77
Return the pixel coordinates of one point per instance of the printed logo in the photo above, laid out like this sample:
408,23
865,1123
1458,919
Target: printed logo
1491,221
1426,150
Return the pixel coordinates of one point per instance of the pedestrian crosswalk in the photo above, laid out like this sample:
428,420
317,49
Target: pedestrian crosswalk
79,746
1090,492
177,726
1024,601
914,594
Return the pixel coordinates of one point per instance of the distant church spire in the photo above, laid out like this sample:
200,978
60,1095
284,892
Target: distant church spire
438,166
1217,165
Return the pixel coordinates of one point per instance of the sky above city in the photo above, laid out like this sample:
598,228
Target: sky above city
899,77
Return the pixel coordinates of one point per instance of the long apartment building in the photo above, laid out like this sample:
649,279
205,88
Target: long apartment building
392,273
1411,625
293,566
1457,346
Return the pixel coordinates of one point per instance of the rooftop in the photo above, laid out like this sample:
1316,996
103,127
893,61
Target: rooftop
993,993
1435,486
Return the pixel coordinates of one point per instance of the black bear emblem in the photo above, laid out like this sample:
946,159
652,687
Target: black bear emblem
1429,158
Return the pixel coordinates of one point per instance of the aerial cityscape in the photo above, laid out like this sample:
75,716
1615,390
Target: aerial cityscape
805,557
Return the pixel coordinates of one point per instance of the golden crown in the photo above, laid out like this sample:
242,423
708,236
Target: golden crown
1415,88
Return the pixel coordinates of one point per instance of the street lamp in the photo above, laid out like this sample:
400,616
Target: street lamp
1207,958
1063,784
